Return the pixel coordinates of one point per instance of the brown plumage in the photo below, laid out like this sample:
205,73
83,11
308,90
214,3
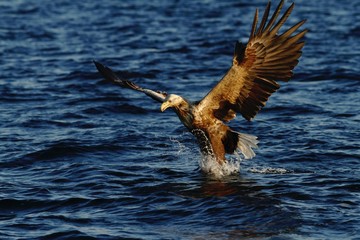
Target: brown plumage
268,57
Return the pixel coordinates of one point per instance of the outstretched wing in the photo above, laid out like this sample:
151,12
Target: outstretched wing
268,57
109,75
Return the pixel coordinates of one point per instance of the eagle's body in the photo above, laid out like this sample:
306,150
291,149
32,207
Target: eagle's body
267,58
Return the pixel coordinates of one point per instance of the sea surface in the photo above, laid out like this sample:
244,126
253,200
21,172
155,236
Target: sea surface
81,158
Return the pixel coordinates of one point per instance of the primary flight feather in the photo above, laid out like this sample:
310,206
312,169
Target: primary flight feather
268,57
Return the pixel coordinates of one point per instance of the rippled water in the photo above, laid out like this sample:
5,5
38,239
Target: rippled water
82,158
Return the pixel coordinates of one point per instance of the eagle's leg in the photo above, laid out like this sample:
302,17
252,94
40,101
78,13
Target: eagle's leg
208,147
204,142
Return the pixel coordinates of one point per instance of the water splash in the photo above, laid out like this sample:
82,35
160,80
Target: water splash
181,147
207,162
210,165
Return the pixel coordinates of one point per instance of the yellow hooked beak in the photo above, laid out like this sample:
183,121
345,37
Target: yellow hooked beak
165,105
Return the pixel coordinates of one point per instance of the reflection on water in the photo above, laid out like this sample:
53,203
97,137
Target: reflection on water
247,209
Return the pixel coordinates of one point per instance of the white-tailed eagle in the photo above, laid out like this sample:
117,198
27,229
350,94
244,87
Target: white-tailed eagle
268,57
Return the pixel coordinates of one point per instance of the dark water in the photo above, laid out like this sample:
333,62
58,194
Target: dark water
81,158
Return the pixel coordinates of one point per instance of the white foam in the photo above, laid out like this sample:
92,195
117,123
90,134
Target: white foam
270,170
210,166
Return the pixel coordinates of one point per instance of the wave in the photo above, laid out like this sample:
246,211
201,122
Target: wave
61,150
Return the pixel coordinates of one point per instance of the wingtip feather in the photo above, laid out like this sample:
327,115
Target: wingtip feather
264,18
254,25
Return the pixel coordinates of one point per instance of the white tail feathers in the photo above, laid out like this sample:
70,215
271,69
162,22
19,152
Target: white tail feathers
246,143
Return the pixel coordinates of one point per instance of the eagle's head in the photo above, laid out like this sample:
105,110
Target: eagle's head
174,101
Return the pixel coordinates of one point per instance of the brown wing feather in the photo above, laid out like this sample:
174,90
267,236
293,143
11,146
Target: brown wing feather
267,58
109,75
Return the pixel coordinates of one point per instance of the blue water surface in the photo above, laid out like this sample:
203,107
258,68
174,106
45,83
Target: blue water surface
83,159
